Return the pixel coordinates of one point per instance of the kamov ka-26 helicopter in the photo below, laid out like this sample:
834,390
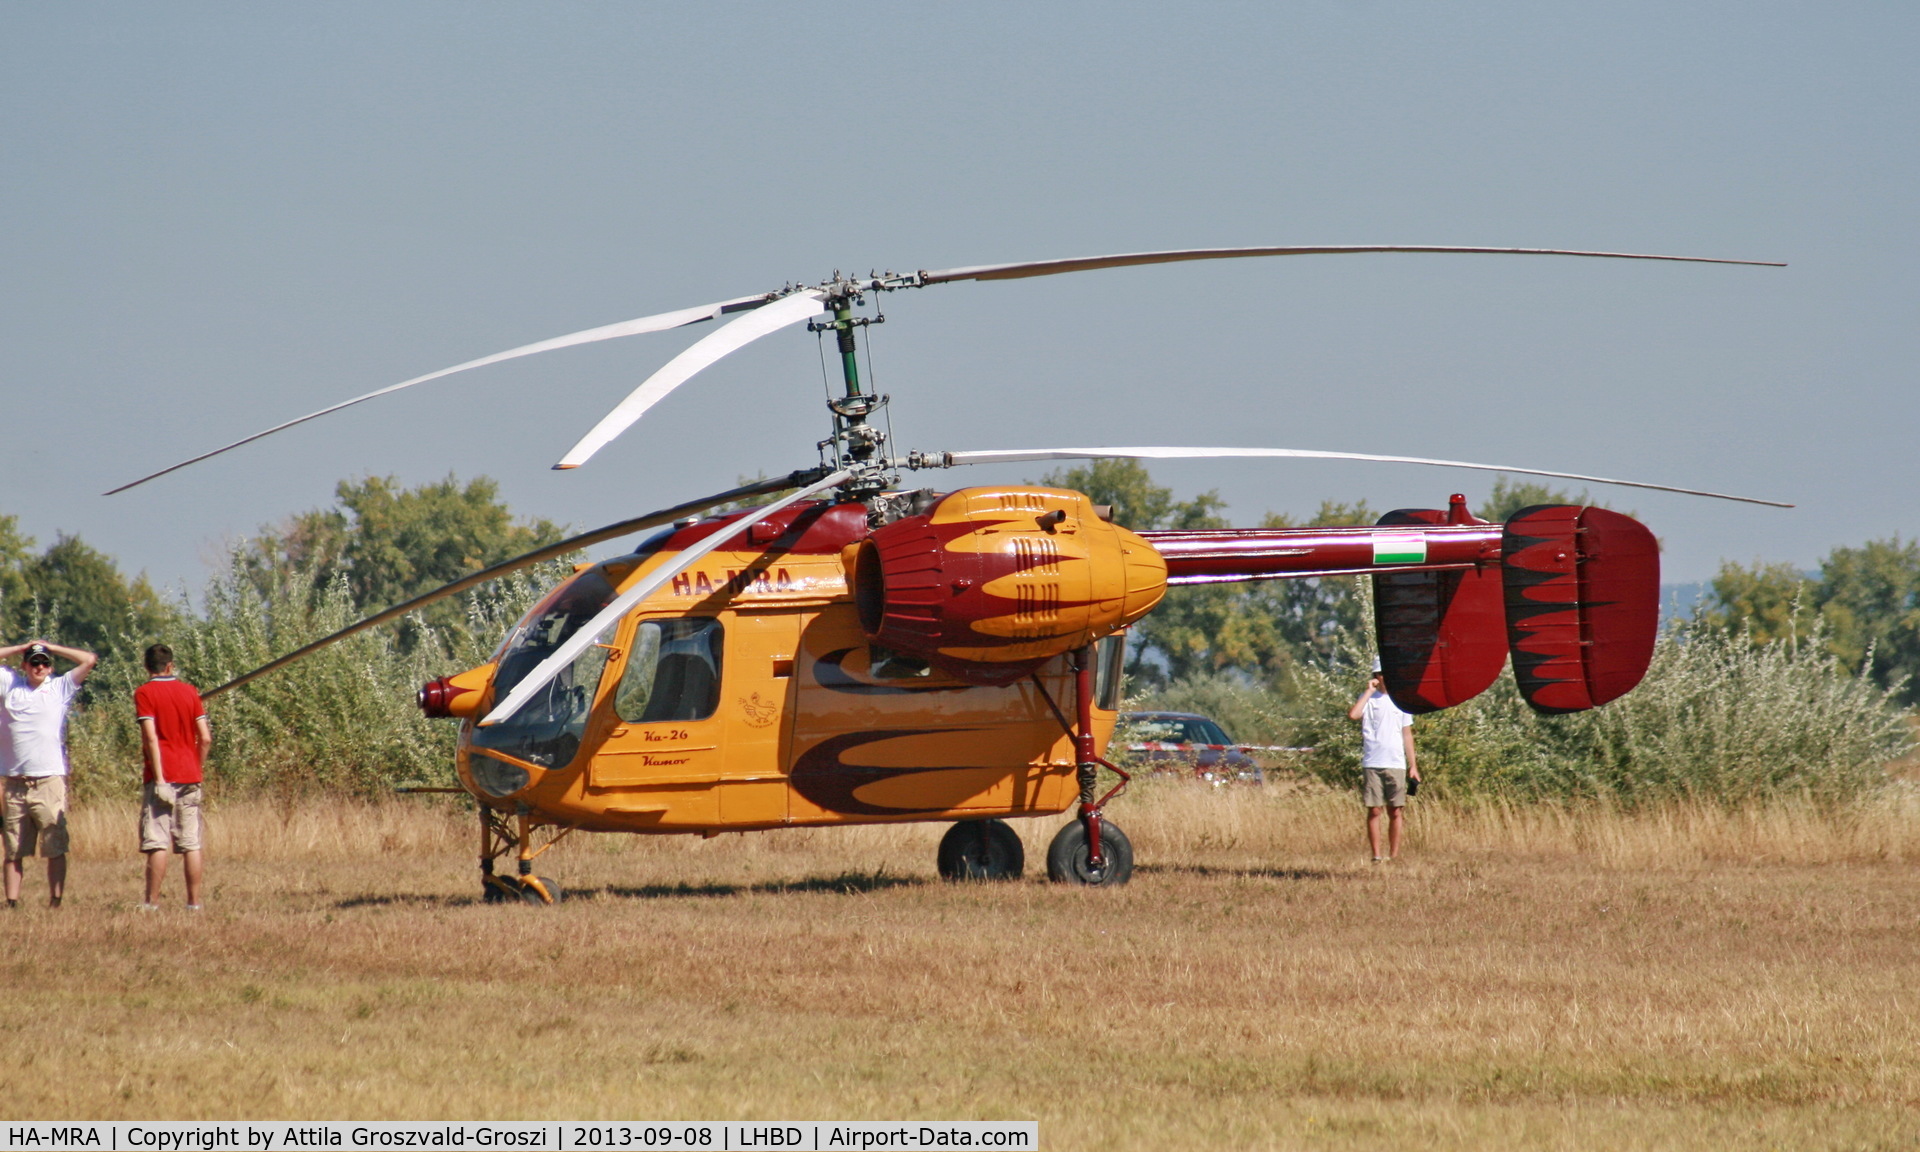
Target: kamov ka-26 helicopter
858,652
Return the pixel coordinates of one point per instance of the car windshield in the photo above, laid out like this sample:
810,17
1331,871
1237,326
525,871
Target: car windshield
547,730
1200,730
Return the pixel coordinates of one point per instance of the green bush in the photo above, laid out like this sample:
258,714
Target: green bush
1718,717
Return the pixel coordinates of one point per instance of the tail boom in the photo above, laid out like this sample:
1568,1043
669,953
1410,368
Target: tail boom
1234,555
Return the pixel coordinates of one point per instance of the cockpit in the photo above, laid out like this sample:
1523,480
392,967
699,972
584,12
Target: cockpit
548,729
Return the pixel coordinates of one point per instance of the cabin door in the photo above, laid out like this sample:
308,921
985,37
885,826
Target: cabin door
667,736
755,702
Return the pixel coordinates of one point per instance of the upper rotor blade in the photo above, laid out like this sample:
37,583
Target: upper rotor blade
635,327
527,560
1021,456
677,371
591,631
1178,255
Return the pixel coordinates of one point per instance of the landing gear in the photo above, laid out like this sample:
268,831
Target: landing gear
1070,860
541,890
1092,850
497,838
981,850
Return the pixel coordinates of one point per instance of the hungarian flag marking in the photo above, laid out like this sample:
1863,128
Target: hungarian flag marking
1400,548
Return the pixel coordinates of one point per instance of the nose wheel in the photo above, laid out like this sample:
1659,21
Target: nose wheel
497,838
529,889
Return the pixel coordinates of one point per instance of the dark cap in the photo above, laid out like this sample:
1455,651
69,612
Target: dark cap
38,654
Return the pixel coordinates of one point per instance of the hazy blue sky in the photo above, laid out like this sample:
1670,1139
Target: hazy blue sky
220,216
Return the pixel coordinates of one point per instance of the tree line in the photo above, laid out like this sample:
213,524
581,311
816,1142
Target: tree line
1261,655
379,542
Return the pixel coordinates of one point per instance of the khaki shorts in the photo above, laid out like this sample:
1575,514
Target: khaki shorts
1384,788
174,824
35,814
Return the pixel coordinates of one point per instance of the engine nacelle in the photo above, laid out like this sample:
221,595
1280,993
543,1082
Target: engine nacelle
990,583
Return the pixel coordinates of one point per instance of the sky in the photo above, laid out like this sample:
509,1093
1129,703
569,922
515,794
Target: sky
214,217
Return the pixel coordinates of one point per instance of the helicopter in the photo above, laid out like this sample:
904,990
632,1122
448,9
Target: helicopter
855,651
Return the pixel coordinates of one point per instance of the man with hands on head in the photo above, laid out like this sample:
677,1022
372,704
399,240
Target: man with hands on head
1386,761
33,759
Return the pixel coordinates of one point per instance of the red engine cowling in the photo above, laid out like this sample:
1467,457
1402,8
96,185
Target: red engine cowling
991,583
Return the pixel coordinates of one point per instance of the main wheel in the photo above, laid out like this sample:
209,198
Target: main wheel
531,894
499,889
1067,856
981,850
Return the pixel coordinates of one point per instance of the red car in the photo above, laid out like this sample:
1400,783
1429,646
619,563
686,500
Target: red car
1175,741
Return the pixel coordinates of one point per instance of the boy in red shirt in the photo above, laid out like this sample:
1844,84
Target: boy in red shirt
174,739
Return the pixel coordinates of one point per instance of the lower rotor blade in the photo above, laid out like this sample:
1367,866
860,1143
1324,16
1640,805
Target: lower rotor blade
1178,255
677,371
939,459
591,631
526,560
635,327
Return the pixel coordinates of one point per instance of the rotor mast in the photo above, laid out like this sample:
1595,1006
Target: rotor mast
856,444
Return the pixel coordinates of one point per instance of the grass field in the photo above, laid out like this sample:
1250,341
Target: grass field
1525,977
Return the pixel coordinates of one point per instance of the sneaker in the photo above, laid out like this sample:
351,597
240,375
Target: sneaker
193,907
149,907
1379,859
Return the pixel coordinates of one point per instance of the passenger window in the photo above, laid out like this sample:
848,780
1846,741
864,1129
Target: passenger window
673,671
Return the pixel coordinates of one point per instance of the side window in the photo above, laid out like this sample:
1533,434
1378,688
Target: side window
673,671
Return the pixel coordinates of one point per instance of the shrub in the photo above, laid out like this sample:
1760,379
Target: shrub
1717,718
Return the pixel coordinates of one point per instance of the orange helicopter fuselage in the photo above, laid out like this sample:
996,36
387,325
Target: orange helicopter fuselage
785,714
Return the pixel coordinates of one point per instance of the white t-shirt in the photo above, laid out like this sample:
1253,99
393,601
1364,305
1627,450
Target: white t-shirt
34,724
1381,723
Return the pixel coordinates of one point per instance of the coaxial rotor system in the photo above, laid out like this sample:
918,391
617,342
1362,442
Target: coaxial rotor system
854,459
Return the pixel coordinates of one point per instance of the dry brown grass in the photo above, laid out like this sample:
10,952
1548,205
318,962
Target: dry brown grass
1527,977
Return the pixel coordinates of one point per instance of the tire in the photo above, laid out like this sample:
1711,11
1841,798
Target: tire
500,890
981,850
1067,856
532,895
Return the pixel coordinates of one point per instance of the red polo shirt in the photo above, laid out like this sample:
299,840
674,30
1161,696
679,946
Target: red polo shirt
174,707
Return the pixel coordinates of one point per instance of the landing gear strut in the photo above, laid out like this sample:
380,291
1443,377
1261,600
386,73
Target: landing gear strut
1091,850
497,838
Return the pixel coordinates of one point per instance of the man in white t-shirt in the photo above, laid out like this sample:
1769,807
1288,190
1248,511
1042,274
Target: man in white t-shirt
33,759
1386,762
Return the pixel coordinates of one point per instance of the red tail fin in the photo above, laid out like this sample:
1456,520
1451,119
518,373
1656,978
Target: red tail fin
1582,604
1440,632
